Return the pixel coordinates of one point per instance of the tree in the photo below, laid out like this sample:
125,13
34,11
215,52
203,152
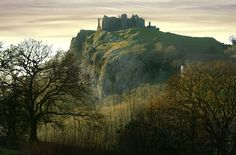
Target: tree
46,86
206,95
151,131
232,39
231,50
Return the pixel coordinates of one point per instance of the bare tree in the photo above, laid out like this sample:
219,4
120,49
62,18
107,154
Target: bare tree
46,86
232,39
207,93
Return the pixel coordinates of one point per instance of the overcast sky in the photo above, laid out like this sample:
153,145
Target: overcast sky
57,21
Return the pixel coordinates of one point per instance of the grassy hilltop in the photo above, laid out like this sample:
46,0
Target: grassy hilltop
122,60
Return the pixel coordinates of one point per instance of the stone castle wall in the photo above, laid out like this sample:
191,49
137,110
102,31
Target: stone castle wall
123,22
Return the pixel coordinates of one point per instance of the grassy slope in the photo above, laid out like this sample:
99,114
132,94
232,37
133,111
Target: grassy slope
126,41
184,43
136,53
129,40
115,45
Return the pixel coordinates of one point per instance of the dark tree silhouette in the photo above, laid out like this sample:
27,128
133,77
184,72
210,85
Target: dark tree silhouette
232,39
46,86
206,92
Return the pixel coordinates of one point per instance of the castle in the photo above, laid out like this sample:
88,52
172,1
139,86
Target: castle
121,23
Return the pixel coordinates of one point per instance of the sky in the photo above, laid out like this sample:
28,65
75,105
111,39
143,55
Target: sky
55,22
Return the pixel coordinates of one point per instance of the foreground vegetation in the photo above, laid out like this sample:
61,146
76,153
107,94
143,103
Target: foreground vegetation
46,108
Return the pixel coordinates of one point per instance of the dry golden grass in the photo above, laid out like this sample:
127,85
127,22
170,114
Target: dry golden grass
117,111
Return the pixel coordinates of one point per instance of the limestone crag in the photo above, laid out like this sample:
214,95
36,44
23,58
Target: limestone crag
120,58
77,42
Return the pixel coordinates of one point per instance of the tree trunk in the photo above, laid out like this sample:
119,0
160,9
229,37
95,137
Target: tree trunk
12,135
233,149
222,146
33,131
193,132
12,123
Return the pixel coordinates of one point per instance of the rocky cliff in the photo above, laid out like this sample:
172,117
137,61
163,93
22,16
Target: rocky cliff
122,60
77,42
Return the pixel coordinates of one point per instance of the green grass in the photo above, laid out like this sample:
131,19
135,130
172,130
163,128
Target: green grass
6,151
132,37
185,44
127,41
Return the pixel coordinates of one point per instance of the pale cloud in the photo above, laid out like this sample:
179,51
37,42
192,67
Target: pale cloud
60,20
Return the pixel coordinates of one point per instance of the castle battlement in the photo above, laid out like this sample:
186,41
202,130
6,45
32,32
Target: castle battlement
121,23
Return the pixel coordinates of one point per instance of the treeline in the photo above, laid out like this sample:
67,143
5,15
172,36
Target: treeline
195,114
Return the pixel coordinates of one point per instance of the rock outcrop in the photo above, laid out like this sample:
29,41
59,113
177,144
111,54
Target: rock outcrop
122,60
78,41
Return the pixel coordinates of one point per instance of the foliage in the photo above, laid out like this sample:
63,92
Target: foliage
206,95
195,114
148,133
231,50
44,86
232,39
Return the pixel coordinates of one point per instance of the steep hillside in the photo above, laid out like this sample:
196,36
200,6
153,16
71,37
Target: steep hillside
120,61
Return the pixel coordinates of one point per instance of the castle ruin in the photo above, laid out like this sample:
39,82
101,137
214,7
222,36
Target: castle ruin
121,23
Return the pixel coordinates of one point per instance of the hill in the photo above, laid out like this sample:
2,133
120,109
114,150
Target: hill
122,60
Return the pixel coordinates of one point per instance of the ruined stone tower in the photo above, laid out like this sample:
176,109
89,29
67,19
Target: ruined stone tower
121,23
124,21
99,24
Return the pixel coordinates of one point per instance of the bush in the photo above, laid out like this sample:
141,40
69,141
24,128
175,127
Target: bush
144,136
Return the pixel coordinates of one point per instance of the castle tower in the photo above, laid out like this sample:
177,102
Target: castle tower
124,21
99,24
